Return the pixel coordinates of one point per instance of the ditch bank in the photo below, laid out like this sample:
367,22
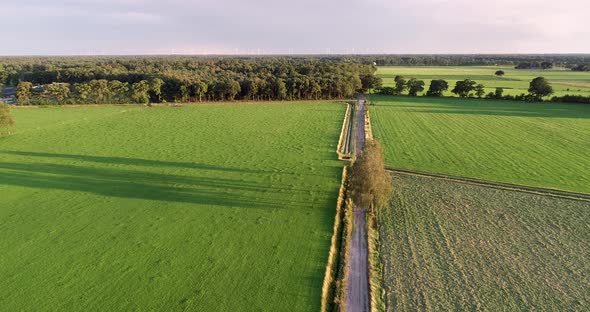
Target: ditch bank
336,275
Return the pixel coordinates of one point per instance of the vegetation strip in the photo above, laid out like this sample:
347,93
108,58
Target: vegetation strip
377,294
498,185
333,266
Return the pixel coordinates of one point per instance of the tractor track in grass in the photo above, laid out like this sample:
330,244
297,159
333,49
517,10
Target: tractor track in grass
497,185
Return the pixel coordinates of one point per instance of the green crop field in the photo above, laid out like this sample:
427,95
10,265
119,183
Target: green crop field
448,246
202,208
514,82
536,144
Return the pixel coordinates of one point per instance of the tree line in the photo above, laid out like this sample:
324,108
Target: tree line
539,88
558,60
181,79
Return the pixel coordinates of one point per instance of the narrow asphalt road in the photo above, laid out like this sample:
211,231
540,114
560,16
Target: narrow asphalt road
358,272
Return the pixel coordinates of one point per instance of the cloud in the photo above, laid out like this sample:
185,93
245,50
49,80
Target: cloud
305,26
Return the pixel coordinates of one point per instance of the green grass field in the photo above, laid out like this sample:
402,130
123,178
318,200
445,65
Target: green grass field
448,246
514,82
535,144
202,208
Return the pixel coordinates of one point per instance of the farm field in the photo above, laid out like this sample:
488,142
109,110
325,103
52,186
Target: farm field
534,144
199,208
514,82
452,246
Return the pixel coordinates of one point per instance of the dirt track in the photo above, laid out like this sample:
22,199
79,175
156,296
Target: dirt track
358,273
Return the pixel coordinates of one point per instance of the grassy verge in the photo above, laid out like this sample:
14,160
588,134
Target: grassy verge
377,294
334,261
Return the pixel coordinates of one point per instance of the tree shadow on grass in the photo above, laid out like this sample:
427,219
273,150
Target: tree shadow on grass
130,161
218,191
460,106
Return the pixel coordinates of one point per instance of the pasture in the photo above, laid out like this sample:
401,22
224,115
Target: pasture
198,208
452,246
514,82
534,144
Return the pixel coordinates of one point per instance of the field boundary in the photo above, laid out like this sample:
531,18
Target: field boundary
334,286
376,294
497,185
286,102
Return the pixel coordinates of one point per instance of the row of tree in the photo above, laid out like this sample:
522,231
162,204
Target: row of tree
182,79
564,60
95,92
538,89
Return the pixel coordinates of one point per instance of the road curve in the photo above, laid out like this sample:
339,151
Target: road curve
357,299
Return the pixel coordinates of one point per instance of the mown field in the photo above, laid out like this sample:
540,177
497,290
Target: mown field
535,144
514,82
451,246
203,208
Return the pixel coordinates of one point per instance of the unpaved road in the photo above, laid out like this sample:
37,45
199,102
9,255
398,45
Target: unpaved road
358,272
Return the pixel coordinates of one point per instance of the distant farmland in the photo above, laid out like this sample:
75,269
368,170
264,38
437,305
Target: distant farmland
514,82
536,144
208,208
452,246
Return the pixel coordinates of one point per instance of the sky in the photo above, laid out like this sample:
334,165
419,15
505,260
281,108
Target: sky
97,27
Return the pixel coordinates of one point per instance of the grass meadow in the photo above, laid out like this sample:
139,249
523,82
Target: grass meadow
448,246
535,144
514,82
200,208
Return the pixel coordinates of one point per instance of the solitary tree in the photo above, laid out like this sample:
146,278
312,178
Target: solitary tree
464,87
540,87
371,185
480,91
23,92
437,87
499,73
5,116
415,86
400,85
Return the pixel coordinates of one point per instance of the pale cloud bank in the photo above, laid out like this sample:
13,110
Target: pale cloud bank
306,26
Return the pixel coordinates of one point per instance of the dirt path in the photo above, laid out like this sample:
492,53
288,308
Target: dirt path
358,273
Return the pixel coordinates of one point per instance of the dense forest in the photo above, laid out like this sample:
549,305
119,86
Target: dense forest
40,80
156,79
